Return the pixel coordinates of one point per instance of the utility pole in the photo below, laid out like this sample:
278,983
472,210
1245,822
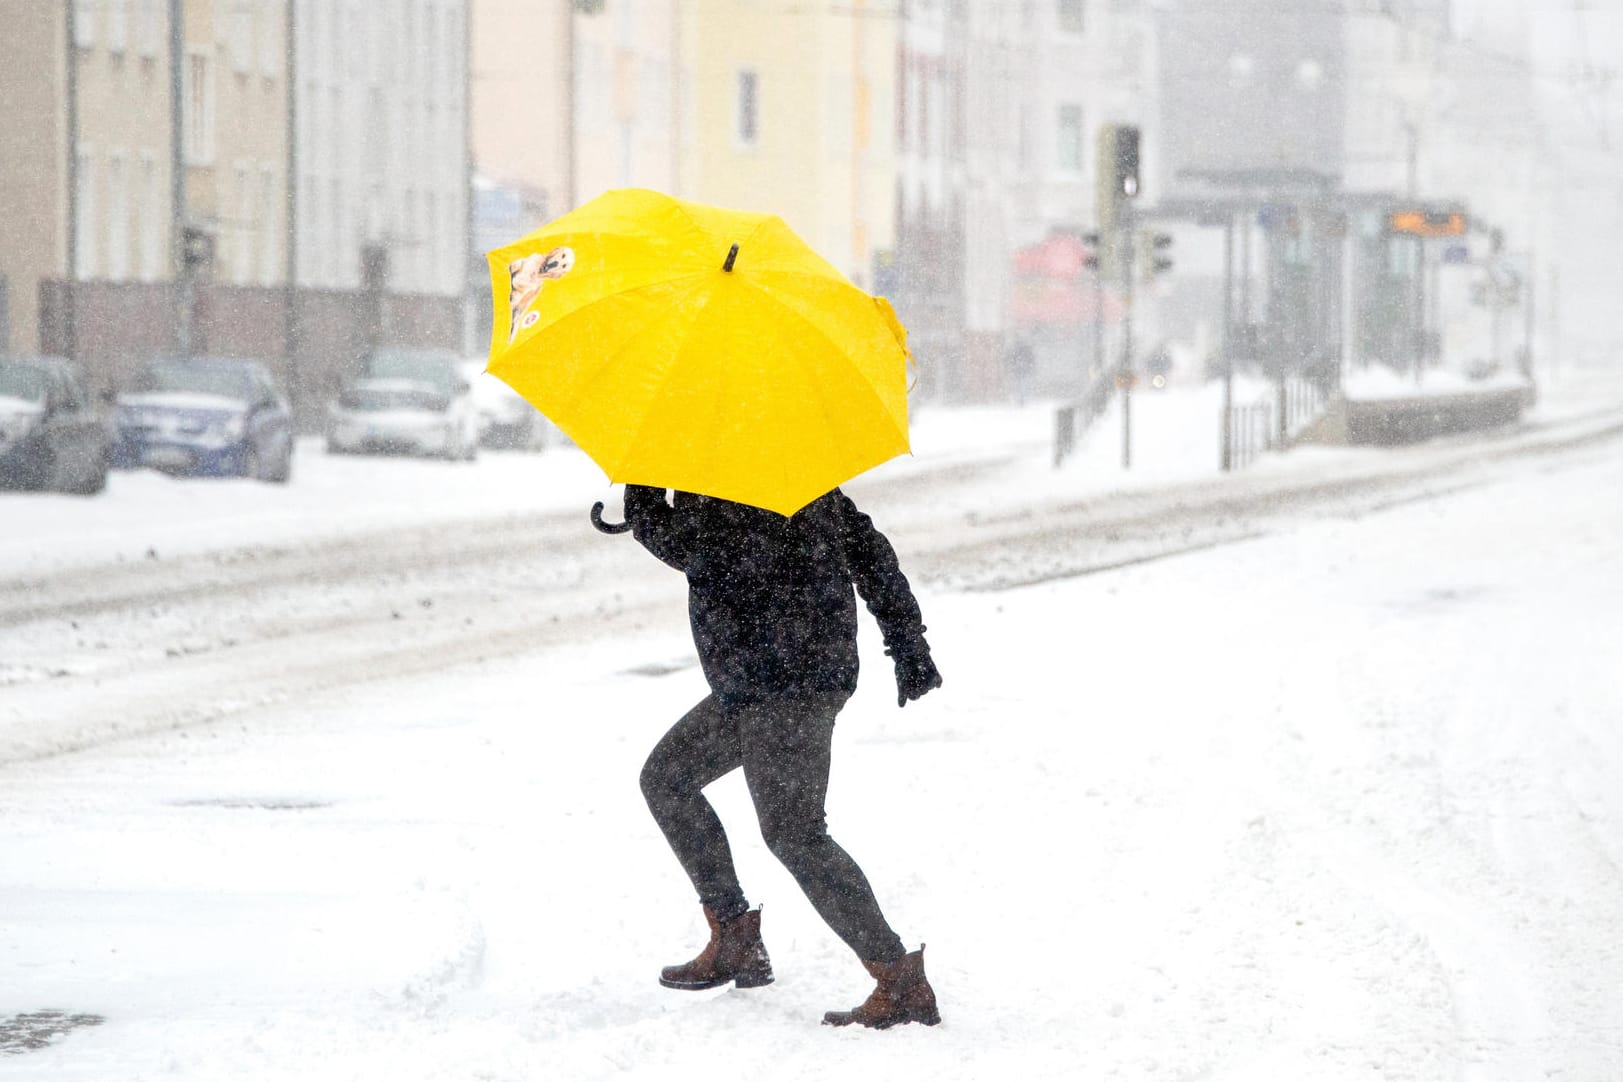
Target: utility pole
1227,344
1125,378
571,92
70,328
1118,186
177,177
291,331
1419,299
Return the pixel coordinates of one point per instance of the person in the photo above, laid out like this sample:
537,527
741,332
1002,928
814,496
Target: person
1022,362
774,619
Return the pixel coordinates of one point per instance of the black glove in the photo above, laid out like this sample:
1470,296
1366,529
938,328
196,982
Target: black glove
642,501
916,674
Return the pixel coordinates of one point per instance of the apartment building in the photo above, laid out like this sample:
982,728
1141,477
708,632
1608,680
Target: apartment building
792,109
380,148
234,135
87,168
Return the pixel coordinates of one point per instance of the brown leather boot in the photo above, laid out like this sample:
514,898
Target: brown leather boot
903,995
735,953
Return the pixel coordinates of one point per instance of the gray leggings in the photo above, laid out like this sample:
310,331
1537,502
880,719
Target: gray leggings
785,749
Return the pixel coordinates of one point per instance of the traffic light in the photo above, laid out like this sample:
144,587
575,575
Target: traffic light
1116,184
1123,162
1159,251
196,251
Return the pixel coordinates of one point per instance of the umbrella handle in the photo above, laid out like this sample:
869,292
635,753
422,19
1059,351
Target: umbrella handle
607,527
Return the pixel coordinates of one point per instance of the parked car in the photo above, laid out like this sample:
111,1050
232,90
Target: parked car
415,401
206,416
506,420
53,435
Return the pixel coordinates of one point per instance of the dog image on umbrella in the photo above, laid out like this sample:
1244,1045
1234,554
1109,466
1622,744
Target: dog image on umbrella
733,379
526,276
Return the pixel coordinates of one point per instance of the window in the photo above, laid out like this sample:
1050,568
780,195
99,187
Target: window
198,102
118,24
152,218
243,230
84,22
921,128
935,125
84,233
1068,139
593,84
270,42
902,104
1070,14
239,35
309,217
749,106
118,217
356,40
150,28
414,240
336,244
625,24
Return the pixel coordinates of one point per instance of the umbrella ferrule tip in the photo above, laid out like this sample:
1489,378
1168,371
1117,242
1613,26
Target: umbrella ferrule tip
732,254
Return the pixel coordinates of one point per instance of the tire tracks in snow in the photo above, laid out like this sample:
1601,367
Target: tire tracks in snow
1130,528
105,653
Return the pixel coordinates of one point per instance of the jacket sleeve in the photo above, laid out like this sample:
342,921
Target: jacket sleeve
877,575
657,525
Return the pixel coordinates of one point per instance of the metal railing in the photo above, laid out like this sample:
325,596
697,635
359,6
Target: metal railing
1073,419
1272,423
1251,432
1304,402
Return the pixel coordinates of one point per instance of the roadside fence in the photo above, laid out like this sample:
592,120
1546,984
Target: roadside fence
1073,419
1271,423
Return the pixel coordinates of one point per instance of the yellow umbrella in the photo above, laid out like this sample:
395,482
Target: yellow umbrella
687,346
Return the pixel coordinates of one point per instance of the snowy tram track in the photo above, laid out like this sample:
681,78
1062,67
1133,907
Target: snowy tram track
108,652
1125,529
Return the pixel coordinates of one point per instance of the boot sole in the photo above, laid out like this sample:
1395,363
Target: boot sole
933,1018
743,980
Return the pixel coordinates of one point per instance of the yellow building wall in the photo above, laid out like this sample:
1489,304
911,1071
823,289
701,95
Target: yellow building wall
824,158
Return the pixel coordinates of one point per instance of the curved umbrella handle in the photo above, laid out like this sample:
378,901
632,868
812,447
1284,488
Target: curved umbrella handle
606,527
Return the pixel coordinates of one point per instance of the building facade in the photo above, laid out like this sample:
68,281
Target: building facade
792,109
234,135
522,113
212,176
627,127
931,130
381,162
88,169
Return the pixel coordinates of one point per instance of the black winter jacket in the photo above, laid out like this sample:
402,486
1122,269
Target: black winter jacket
770,598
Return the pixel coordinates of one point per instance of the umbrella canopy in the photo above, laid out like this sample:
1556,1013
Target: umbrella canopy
687,346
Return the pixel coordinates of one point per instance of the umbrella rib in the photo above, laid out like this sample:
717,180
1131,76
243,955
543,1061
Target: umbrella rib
851,461
670,373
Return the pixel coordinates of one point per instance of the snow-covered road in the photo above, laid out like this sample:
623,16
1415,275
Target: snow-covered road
1315,777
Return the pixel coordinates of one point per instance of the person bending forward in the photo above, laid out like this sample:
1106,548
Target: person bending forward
774,619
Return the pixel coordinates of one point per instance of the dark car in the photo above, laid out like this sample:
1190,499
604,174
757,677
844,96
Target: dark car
206,416
52,435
